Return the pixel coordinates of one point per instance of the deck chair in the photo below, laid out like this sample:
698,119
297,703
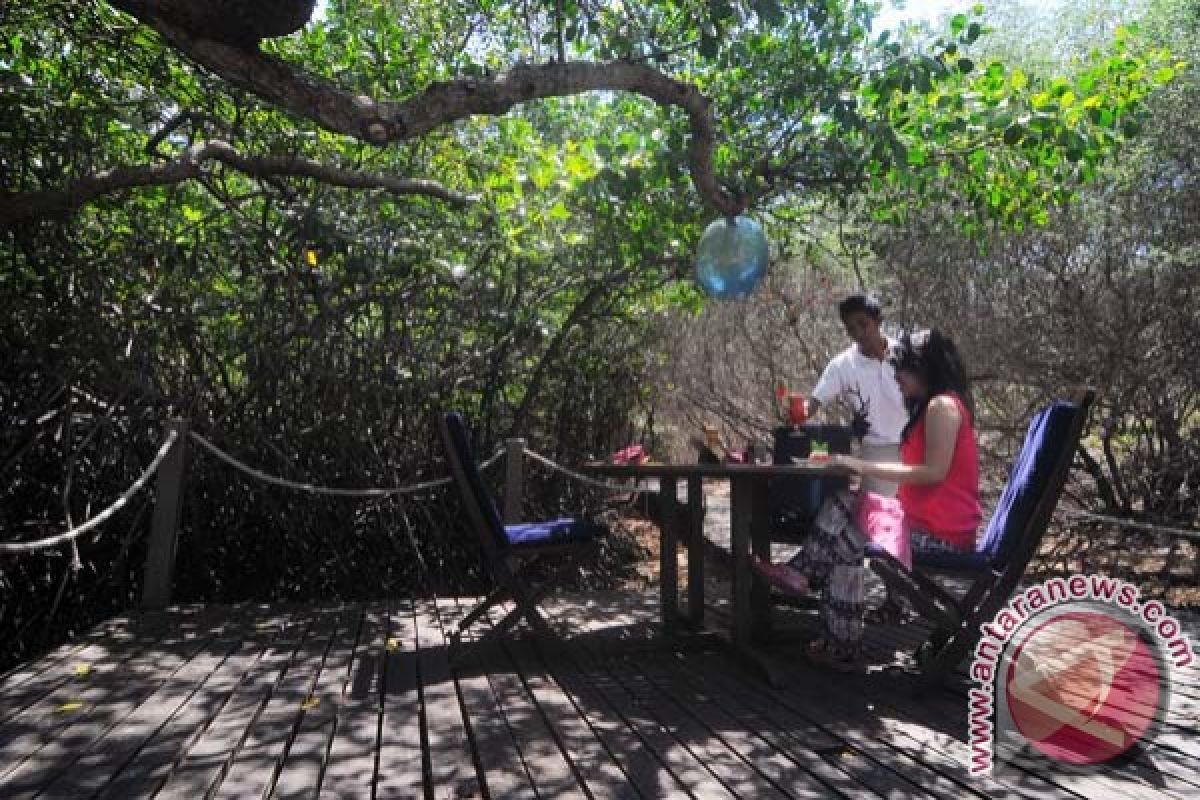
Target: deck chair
1010,542
511,553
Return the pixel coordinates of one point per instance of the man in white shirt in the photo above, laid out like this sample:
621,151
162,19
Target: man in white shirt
863,379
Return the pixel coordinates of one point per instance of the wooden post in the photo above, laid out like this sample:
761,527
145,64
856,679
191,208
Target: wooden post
740,510
164,527
668,564
760,545
695,550
514,480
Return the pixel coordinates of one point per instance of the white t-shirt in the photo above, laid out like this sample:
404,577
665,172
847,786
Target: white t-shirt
876,383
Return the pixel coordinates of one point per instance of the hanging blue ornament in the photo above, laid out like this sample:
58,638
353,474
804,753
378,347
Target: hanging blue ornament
732,257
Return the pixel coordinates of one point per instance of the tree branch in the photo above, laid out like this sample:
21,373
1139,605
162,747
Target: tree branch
16,207
292,89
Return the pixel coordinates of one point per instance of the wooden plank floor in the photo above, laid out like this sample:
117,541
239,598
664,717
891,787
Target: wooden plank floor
364,701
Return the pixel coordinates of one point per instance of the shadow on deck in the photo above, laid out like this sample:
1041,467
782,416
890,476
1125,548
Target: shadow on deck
362,701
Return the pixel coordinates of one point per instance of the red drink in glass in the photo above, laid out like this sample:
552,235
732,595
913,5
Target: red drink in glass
797,414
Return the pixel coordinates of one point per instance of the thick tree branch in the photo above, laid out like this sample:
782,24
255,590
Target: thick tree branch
239,22
16,207
382,122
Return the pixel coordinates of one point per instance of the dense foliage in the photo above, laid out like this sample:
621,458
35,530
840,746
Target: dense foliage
308,245
1101,294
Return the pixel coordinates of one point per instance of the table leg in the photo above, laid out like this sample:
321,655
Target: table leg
740,514
695,549
668,571
760,545
744,507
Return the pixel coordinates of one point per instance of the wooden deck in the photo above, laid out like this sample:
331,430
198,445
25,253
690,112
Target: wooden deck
362,701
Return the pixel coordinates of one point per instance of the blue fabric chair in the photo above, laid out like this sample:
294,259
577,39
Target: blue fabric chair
511,553
1010,541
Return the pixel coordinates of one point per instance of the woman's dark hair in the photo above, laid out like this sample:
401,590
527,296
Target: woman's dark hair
933,358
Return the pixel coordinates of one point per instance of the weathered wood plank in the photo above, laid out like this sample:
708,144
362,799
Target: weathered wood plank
650,718
760,753
874,761
104,757
1172,767
350,772
450,764
52,706
26,682
108,699
825,756
149,769
725,763
304,760
544,760
839,740
649,776
589,760
907,732
500,761
256,764
400,773
209,759
106,647
946,711
176,699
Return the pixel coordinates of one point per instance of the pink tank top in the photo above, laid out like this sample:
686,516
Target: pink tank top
948,510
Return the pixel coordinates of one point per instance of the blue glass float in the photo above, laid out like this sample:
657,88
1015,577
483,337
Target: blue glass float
732,257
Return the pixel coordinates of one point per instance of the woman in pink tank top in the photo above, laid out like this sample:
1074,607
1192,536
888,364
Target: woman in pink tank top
937,506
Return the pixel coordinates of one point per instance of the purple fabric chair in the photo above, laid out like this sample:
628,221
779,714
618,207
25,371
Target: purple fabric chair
1010,541
510,552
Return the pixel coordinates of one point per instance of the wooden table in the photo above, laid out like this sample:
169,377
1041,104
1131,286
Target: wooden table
750,532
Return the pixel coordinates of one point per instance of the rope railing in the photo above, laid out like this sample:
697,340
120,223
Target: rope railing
327,490
613,487
74,533
1166,530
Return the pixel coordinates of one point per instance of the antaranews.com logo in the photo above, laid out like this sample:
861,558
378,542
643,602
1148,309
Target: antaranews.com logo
1072,672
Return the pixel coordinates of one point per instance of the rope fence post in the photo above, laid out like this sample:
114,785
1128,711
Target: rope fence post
164,527
514,480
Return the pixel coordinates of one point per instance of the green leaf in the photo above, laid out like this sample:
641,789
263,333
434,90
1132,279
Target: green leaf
1102,117
579,167
542,175
1001,121
965,65
769,11
1164,75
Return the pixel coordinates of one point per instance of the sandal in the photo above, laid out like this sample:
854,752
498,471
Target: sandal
783,577
886,614
822,653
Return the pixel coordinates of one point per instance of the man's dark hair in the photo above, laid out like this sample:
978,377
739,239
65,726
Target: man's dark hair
856,303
